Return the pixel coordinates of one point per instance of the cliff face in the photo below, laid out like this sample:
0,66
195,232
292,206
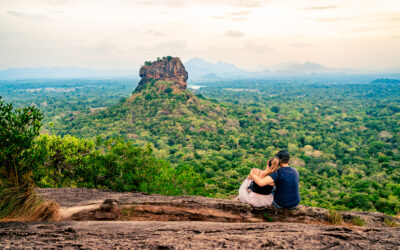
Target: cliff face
166,69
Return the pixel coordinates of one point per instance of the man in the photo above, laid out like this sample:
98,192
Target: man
286,181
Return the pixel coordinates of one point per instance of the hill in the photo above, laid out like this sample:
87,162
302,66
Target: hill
160,106
202,70
308,68
385,81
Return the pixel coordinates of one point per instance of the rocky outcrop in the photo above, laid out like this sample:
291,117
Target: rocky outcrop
83,204
166,69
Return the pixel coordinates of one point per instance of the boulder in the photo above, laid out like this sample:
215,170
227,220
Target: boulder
109,210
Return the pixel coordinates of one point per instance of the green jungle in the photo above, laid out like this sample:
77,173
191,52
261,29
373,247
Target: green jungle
342,132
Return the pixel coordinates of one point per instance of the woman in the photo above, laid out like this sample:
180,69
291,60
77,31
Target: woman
257,196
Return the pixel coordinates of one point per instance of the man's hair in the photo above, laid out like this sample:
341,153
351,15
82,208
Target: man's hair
283,156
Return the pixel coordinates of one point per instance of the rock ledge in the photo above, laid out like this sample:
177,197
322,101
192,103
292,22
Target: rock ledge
81,204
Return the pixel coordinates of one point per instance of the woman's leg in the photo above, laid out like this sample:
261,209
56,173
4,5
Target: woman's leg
243,191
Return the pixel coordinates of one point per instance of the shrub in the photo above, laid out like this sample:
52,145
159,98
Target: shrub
334,217
68,161
168,90
357,221
19,156
268,218
391,223
116,165
275,109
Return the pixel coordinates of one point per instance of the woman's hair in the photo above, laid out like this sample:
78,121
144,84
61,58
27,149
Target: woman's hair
273,165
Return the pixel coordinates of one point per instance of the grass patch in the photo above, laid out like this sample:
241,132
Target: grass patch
268,218
128,212
23,204
357,221
334,217
391,223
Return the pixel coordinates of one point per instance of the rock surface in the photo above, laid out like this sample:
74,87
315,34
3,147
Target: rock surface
166,69
161,228
192,235
90,204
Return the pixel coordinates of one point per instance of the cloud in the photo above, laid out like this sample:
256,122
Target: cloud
28,16
56,12
387,17
233,33
176,4
367,29
256,47
170,3
249,3
155,33
102,47
9,35
332,19
240,13
59,2
239,19
171,45
229,18
234,16
298,45
325,7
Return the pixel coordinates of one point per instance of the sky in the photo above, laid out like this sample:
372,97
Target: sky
252,34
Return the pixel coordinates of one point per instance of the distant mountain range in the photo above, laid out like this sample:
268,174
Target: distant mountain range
311,68
64,73
198,69
385,81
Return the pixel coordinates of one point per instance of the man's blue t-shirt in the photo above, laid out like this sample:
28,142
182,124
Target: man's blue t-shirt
287,187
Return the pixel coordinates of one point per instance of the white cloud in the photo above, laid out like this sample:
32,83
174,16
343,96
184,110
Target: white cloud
59,2
104,46
321,7
233,33
256,47
172,45
28,16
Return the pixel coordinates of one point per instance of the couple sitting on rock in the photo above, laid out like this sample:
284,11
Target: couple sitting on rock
277,185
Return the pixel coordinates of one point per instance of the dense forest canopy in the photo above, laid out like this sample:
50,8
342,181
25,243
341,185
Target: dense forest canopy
343,133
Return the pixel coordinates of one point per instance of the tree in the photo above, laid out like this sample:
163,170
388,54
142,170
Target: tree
275,109
18,154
